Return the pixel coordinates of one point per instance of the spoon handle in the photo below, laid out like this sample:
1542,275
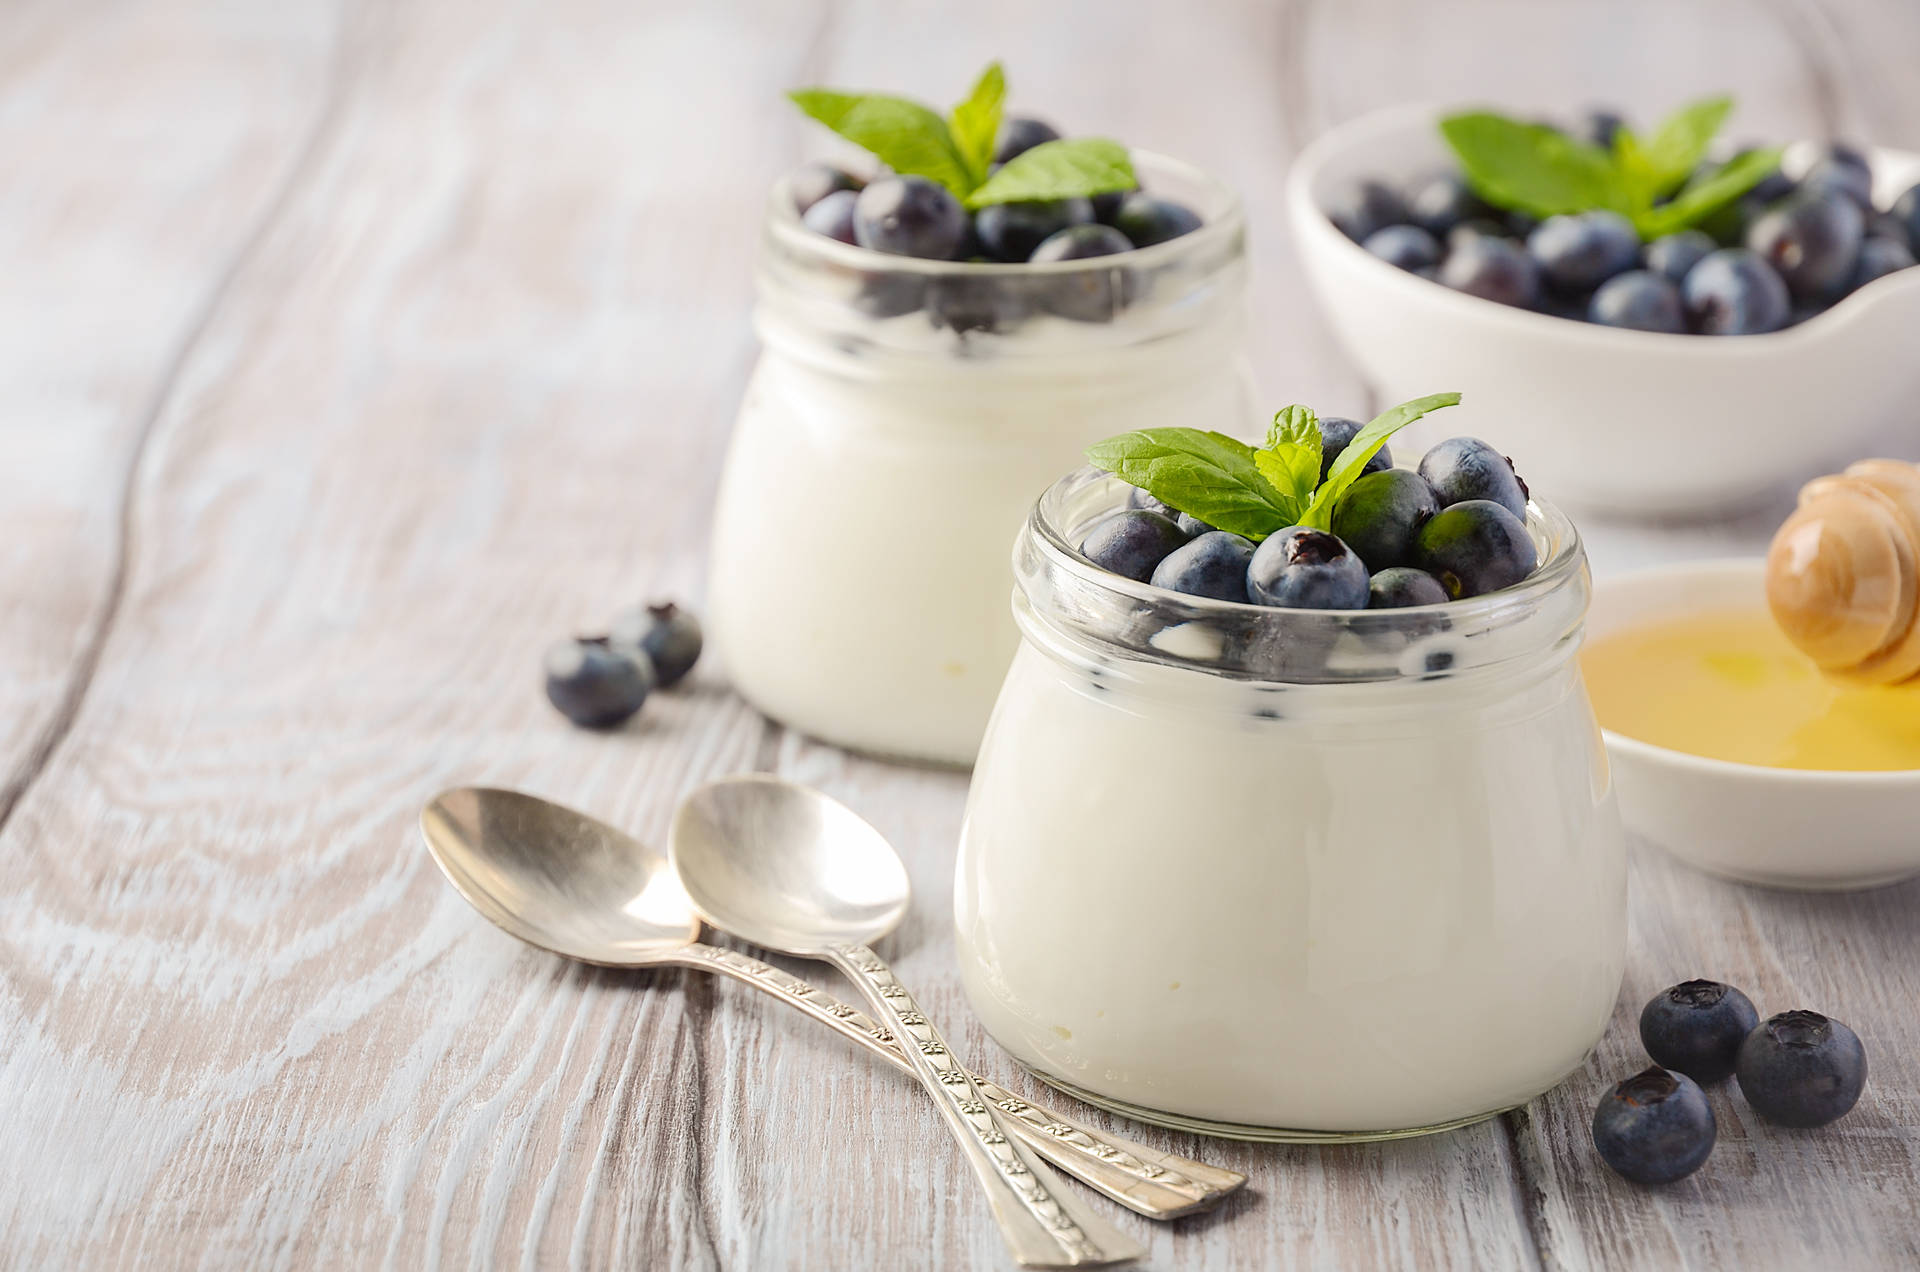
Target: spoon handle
1144,1180
1043,1225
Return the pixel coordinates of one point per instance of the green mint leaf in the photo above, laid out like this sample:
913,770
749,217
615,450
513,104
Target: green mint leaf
904,135
1702,198
1364,446
1680,143
1533,168
1076,167
1203,474
1297,424
1291,460
975,122
1634,170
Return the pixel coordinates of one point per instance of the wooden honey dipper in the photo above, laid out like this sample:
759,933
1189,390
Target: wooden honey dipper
1843,574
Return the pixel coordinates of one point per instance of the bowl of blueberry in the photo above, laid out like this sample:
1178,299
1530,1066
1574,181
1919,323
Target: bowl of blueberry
1663,325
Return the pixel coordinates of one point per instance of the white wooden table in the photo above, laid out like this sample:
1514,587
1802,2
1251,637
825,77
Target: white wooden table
352,350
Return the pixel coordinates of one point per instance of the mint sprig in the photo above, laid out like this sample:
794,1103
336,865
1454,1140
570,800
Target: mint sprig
1540,170
956,150
1252,491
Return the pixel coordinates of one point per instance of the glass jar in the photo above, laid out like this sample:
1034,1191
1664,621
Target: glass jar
1290,874
903,417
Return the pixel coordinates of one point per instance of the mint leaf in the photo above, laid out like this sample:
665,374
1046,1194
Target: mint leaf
1076,167
1531,167
1297,424
1639,178
1680,143
1702,198
975,122
1291,460
1364,446
1203,474
904,135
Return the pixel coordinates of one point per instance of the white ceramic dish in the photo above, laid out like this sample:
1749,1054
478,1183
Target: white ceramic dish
1619,421
1783,828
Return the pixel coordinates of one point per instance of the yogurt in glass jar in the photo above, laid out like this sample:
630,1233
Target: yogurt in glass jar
902,419
1291,874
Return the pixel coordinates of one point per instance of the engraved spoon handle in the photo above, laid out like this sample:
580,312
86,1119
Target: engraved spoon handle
1144,1180
1042,1224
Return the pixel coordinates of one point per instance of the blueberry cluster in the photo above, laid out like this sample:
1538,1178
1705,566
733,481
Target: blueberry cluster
599,682
1782,253
1453,528
1798,1069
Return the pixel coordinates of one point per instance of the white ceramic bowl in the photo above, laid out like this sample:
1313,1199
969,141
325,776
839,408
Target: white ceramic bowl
1784,828
1610,420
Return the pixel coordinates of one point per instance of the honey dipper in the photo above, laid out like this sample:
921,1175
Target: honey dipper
1843,574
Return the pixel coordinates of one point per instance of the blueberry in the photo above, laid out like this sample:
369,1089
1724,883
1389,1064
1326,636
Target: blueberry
1090,295
1011,231
595,683
1801,1069
1138,498
1019,134
1733,292
975,302
1444,201
909,216
1519,224
1578,253
1640,300
1406,246
1493,269
816,181
1462,468
1146,220
1655,1127
1300,568
1369,206
1107,206
1400,586
1336,431
1132,543
1697,1027
885,294
1474,548
1880,256
666,633
1476,227
1380,516
1674,254
1906,210
1192,525
832,216
1214,563
1841,170
1812,240
1600,126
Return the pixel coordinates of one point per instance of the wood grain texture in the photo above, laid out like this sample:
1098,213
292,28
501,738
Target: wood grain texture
424,323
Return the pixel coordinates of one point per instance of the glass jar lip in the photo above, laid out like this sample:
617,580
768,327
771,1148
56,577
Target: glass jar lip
1218,228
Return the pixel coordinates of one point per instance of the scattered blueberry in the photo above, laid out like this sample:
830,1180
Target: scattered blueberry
1011,231
1906,210
1192,525
1733,292
909,216
1336,432
596,684
1444,201
1381,514
667,634
1019,134
1696,1027
1463,468
1812,240
1132,543
1475,547
1107,206
1801,1069
1401,586
1640,300
1493,269
1138,498
1578,253
1300,568
1368,207
1090,295
1841,170
1214,563
832,216
1880,256
1147,220
1655,1127
1674,254
1407,247
815,181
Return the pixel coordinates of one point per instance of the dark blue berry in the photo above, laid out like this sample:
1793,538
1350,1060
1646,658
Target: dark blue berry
1733,292
1462,468
1401,586
1406,246
668,635
1132,543
595,683
1093,295
1192,525
1107,206
1474,548
1801,1069
1639,300
1300,568
832,216
976,302
1444,201
1380,516
1011,231
1600,126
1697,1027
1906,210
1019,134
1655,1127
1812,241
1138,498
1477,227
1880,256
1841,170
1213,564
1368,207
1578,253
909,216
1336,432
1147,220
1491,268
1675,254
816,181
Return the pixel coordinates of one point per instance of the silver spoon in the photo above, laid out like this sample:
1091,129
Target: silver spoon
564,882
793,870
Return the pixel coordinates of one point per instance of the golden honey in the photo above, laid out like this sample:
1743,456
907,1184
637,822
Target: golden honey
1729,685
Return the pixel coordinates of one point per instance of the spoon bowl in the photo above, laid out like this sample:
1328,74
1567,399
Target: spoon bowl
786,867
